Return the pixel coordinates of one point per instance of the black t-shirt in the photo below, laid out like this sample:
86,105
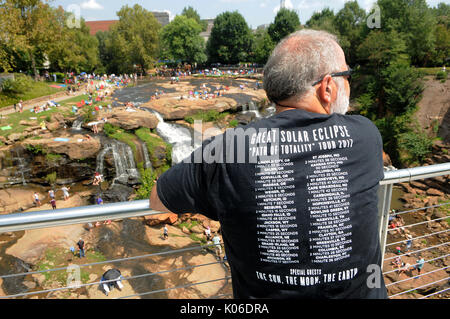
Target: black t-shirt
296,196
80,244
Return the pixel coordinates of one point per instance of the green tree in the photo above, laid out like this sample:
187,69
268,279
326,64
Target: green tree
191,13
181,40
414,20
263,46
322,20
133,42
286,21
230,39
74,49
349,22
29,28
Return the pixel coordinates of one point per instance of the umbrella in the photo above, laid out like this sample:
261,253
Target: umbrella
112,274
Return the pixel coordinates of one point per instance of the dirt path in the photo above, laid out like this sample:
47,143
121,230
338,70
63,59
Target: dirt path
57,97
434,105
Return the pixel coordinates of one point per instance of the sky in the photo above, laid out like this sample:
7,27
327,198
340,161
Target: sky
255,12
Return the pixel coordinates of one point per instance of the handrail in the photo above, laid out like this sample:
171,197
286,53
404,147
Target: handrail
74,215
112,211
414,173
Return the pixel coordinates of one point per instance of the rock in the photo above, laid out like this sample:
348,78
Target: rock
197,229
15,199
78,147
132,120
175,109
29,284
53,126
167,218
116,193
434,192
438,214
185,230
14,137
28,123
419,185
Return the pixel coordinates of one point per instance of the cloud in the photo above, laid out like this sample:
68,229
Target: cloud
91,5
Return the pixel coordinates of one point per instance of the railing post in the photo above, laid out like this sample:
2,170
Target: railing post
384,207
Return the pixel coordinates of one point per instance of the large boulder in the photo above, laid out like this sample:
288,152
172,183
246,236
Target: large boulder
77,147
176,109
16,199
131,119
167,218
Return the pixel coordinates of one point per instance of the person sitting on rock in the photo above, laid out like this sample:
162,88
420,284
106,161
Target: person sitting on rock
110,279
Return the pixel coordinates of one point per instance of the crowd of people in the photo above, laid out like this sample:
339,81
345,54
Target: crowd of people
395,225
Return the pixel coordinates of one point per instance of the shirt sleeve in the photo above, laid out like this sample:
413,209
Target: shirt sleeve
184,187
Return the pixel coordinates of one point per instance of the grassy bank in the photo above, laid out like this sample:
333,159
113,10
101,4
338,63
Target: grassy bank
36,89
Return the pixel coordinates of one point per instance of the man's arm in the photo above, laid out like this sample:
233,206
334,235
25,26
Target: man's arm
155,202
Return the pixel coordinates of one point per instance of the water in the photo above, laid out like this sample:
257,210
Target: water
76,126
124,163
178,136
147,162
21,167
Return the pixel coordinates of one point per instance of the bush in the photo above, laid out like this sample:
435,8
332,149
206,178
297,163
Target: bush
233,123
148,177
19,85
417,145
59,77
441,75
51,178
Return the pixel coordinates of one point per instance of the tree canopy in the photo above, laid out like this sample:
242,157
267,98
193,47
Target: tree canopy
286,21
181,40
230,39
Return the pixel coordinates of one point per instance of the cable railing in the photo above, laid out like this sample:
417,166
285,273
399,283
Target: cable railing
417,235
140,208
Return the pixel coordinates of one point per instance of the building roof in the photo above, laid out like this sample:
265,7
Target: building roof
105,25
96,26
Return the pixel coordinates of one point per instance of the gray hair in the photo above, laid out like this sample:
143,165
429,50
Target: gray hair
297,62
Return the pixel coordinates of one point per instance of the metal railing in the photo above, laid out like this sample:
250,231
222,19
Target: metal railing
115,211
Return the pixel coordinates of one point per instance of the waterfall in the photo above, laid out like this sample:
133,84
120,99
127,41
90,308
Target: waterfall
252,108
147,162
77,124
179,137
123,161
21,168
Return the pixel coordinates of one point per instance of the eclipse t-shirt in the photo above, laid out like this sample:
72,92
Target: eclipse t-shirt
296,197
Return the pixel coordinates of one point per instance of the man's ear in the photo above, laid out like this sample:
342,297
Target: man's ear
325,92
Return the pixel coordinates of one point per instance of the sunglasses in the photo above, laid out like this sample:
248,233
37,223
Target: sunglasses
347,73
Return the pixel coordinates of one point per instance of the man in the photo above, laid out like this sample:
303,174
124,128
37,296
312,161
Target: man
51,194
420,262
80,245
217,247
37,201
53,202
110,279
65,192
295,193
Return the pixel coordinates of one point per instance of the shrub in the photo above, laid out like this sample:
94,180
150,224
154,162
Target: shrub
148,177
441,75
19,85
51,178
417,145
233,123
